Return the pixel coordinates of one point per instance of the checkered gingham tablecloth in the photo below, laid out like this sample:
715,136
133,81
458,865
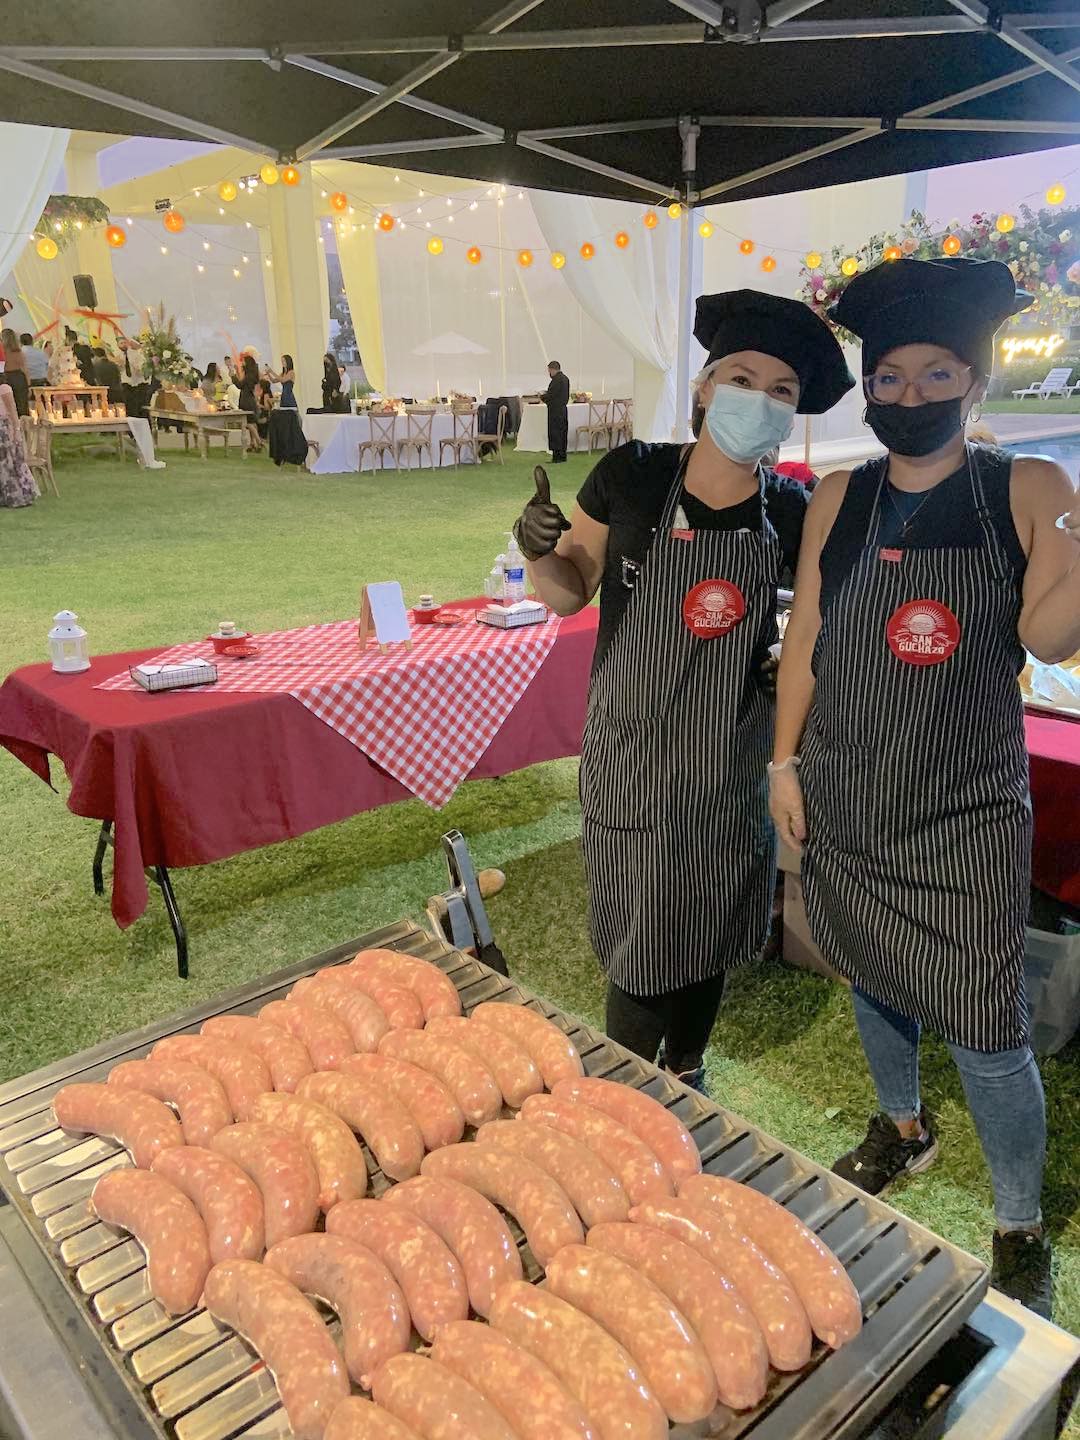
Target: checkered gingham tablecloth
425,715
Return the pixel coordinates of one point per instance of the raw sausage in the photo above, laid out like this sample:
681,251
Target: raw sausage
644,1321
243,1076
540,1206
142,1125
662,1130
167,1226
381,1119
338,1159
431,1279
399,1006
425,1096
472,1228
203,1106
469,1080
363,1019
724,1324
229,1203
288,1334
355,1283
777,1308
597,1371
640,1172
593,1187
325,1036
435,1402
356,1419
283,1171
436,992
286,1057
526,1393
822,1284
513,1067
553,1051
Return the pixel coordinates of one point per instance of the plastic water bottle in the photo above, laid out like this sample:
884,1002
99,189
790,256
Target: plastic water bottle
495,584
514,588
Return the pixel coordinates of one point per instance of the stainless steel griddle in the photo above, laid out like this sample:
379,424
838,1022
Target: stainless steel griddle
82,1337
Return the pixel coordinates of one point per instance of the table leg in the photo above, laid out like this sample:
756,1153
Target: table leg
160,877
99,855
205,442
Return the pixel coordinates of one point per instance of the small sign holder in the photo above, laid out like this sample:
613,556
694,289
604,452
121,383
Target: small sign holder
383,613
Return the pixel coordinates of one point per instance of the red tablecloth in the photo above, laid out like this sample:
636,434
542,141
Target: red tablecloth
192,777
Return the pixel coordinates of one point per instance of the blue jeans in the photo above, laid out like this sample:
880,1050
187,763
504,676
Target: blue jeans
1004,1094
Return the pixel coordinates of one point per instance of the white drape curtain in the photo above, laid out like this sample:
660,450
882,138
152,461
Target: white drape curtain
631,293
30,156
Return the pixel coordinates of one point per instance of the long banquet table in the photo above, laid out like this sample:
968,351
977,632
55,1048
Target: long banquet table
532,434
339,438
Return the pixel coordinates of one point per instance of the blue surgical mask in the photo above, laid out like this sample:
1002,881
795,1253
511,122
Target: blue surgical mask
746,424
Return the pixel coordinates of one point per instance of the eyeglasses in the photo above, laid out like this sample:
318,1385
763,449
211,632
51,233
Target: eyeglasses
943,382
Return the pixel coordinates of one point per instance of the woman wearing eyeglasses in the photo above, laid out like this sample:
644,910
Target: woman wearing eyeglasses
922,578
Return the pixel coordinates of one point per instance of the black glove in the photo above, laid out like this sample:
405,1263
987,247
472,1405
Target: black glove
541,523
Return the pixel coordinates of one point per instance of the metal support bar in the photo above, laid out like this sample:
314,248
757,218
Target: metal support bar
792,122
781,11
613,127
416,77
790,163
1018,40
124,102
402,147
708,11
993,127
134,52
158,875
689,134
866,122
374,87
639,182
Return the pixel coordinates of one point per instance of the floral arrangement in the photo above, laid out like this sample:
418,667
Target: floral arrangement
163,354
1042,249
65,216
580,397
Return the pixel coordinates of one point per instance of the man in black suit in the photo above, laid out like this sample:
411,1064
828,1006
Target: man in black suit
556,398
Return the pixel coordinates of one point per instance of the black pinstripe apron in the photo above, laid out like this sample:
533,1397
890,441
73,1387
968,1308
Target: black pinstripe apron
916,871
675,829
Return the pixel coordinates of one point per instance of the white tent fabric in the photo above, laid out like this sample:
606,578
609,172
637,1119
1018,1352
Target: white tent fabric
632,293
30,156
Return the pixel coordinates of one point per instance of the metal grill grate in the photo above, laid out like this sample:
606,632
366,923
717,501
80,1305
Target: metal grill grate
192,1379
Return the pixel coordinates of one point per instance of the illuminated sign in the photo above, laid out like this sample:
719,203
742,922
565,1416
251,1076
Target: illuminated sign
1036,347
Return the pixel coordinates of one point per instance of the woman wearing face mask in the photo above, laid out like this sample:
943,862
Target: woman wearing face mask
922,578
685,545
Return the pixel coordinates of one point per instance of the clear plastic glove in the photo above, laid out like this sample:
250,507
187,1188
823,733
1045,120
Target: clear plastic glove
786,807
1070,522
541,522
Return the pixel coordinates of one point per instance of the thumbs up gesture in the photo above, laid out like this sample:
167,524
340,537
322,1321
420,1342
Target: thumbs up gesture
541,522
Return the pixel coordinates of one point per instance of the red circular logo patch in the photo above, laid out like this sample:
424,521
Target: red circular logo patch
923,632
713,608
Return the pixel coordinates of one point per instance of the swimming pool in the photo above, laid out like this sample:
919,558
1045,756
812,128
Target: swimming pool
1065,449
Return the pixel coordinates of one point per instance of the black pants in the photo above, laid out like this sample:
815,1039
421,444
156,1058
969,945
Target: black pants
558,427
681,1021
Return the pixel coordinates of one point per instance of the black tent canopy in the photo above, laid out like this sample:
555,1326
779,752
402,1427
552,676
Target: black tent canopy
632,99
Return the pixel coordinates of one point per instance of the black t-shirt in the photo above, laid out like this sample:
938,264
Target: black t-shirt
626,491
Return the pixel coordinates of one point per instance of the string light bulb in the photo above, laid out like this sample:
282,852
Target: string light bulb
115,237
236,273
268,174
206,244
47,248
622,239
813,260
435,245
650,219
674,210
1056,194
339,201
850,267
558,259
746,247
200,267
386,222
952,245
290,175
227,191
768,264
173,221
587,251
705,229
1004,223
525,258
474,255
164,249
246,259
892,252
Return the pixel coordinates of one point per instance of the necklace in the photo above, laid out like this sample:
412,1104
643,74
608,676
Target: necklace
906,521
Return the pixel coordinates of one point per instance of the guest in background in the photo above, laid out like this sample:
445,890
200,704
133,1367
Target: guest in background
287,380
556,397
84,355
15,371
107,372
332,398
264,403
17,484
210,382
245,381
37,362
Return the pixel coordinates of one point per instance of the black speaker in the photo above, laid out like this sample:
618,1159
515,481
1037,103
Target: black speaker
86,291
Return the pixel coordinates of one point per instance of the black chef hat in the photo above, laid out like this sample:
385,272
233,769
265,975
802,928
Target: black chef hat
774,325
956,303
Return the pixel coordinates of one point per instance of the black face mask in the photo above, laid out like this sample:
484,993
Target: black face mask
915,430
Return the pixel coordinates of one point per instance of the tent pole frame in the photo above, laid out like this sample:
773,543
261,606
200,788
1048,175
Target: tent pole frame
689,134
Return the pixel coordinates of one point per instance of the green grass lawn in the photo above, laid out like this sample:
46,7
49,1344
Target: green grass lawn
1056,405
151,558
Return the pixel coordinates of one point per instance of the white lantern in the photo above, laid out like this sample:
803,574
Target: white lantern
67,644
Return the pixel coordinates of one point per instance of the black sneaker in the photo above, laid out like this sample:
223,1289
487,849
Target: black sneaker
885,1156
1021,1269
693,1079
